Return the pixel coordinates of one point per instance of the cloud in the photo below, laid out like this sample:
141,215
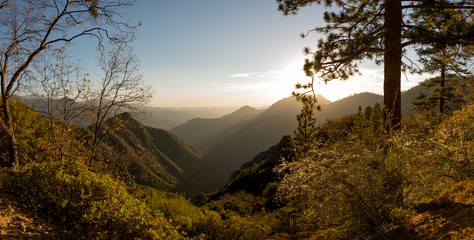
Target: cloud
254,75
241,75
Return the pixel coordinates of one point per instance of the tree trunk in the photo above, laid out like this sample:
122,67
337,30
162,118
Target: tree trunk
392,66
442,85
10,133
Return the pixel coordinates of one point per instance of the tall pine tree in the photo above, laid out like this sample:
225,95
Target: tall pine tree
377,29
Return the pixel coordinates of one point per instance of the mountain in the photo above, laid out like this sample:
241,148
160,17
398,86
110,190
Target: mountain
254,176
228,148
199,130
167,119
410,95
347,105
160,117
157,158
243,141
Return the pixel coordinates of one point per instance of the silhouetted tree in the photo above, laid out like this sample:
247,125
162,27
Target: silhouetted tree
305,134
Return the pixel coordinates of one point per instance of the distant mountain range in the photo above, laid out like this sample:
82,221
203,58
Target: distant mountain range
256,176
157,117
236,138
168,118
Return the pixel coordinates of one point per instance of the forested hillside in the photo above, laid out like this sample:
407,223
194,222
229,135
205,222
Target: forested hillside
84,155
413,185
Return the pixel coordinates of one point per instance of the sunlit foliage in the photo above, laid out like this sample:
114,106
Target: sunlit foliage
92,204
357,184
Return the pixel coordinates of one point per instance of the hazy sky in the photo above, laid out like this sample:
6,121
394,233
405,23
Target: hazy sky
231,53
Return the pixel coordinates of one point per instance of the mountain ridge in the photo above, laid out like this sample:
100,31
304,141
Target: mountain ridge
231,147
158,158
198,130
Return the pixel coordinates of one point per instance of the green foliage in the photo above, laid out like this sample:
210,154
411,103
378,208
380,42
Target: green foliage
368,125
459,193
155,158
305,134
252,179
95,205
214,226
32,133
442,97
455,141
232,217
337,129
241,203
38,140
346,182
359,183
200,199
178,210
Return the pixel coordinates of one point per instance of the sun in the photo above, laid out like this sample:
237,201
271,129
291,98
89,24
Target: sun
281,83
292,74
284,81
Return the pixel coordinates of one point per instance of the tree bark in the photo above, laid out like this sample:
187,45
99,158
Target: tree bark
10,133
392,66
441,91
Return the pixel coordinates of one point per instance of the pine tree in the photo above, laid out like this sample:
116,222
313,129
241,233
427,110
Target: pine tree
360,123
376,119
376,29
450,61
305,134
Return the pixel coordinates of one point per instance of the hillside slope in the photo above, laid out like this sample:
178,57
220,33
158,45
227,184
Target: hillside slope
158,158
199,130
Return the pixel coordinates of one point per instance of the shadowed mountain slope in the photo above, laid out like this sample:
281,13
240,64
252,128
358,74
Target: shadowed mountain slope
348,105
158,158
240,142
198,130
229,148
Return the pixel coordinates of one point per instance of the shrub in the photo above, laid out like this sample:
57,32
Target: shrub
200,223
213,226
241,203
455,141
177,209
94,205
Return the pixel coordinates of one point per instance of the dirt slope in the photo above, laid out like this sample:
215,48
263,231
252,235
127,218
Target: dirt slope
454,221
16,222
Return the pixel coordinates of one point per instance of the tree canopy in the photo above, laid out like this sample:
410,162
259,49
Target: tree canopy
380,30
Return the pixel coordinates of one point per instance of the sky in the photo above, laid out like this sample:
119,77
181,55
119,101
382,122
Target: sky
226,53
